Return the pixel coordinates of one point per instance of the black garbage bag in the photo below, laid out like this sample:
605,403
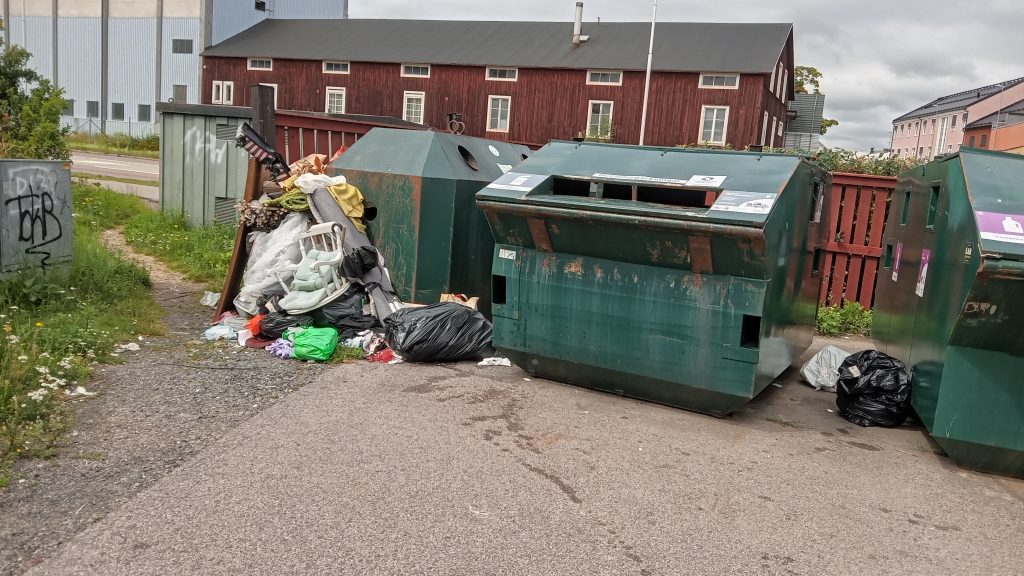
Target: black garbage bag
345,314
873,389
359,261
444,332
274,324
267,303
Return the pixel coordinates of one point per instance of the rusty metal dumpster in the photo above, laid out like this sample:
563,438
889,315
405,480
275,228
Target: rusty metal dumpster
685,277
948,303
428,228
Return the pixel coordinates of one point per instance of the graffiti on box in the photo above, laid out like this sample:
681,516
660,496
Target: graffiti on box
36,225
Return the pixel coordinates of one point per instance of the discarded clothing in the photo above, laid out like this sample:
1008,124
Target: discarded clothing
220,332
281,348
383,357
257,342
254,324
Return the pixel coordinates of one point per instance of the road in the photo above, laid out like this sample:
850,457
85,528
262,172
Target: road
460,469
116,166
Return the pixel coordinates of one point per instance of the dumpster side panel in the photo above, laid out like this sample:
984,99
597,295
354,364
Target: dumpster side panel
396,230
434,254
664,332
472,247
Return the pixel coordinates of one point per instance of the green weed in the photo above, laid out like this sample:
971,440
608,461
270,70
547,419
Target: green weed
146,146
345,354
849,319
202,254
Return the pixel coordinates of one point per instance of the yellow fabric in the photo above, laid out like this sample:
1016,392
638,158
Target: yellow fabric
351,201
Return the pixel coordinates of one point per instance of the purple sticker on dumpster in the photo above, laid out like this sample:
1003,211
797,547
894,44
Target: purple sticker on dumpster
1001,227
896,263
922,274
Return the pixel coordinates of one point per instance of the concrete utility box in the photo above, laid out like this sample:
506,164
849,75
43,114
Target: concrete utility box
35,230
685,277
948,303
428,228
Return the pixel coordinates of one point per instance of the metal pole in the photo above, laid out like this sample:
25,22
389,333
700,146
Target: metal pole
24,25
647,81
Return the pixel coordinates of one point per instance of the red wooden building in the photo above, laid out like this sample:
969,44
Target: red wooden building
525,82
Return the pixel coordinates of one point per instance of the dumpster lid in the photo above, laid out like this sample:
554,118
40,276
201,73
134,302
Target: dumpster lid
995,186
676,183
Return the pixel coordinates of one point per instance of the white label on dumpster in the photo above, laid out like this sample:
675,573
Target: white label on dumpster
517,182
506,254
745,202
635,178
709,181
505,168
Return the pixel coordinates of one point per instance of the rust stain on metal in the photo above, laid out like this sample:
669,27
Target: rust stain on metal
617,275
539,232
575,267
598,272
549,262
554,228
700,255
655,251
979,309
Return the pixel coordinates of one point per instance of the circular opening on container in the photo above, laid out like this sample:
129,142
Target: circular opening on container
469,158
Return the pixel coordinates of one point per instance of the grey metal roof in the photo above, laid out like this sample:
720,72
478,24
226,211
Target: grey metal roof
679,46
958,101
1009,115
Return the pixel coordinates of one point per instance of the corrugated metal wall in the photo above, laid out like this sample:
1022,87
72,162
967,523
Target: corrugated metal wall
232,16
131,55
199,175
79,61
40,40
181,68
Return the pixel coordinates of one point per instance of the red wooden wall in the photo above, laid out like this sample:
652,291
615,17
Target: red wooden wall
859,210
546,104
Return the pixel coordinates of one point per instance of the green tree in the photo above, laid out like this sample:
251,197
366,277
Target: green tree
30,109
806,78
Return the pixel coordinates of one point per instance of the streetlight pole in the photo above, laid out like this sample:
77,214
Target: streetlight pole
647,81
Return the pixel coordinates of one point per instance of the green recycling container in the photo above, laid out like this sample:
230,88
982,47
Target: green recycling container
685,277
948,303
428,228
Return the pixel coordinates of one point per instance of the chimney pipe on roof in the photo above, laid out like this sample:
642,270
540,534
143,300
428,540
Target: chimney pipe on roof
577,26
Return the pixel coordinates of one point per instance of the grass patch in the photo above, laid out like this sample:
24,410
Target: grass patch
92,455
100,177
146,147
849,319
201,254
54,329
345,354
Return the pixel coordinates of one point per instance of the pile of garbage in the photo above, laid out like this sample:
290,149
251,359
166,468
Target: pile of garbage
314,281
872,388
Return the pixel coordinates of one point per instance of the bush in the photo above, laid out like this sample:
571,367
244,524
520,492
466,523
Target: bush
849,319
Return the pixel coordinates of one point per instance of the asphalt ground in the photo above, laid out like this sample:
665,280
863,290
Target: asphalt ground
460,469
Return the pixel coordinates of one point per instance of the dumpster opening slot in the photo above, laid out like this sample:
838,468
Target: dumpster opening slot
570,187
887,263
618,191
750,332
816,263
498,289
684,197
469,158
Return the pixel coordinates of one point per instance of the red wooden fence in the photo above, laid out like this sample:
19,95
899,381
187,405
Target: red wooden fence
302,133
859,209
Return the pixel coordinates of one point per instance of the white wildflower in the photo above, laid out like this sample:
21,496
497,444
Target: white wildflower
38,395
13,339
42,369
22,358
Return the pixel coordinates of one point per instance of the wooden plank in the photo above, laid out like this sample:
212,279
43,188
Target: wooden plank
253,183
875,237
843,231
853,250
859,237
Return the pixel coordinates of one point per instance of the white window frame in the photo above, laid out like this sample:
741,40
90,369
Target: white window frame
427,66
785,81
764,129
590,112
487,74
771,84
249,66
327,98
725,126
490,108
777,89
598,83
700,83
345,64
226,91
423,105
781,128
775,121
274,86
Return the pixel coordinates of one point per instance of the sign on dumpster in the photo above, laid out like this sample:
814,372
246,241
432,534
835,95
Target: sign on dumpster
35,214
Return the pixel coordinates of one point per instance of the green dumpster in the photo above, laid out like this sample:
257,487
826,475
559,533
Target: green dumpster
432,236
685,277
948,303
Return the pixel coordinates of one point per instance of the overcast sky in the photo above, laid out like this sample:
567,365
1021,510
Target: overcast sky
880,58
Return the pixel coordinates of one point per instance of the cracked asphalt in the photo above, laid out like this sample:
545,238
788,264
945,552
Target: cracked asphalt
460,469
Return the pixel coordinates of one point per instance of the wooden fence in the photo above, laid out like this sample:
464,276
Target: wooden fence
859,209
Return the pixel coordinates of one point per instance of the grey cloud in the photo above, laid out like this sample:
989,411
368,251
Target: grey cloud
879,58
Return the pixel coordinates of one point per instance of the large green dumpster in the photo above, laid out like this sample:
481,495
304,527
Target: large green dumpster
948,303
685,277
432,236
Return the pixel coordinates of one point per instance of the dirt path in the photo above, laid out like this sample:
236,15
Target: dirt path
167,402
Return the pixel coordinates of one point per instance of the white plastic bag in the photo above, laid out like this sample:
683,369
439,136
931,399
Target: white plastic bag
278,248
309,182
822,370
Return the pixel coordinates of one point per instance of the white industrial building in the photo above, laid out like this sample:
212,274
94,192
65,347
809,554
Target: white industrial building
116,58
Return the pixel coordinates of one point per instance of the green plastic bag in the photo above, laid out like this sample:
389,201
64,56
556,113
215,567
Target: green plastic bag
313,343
